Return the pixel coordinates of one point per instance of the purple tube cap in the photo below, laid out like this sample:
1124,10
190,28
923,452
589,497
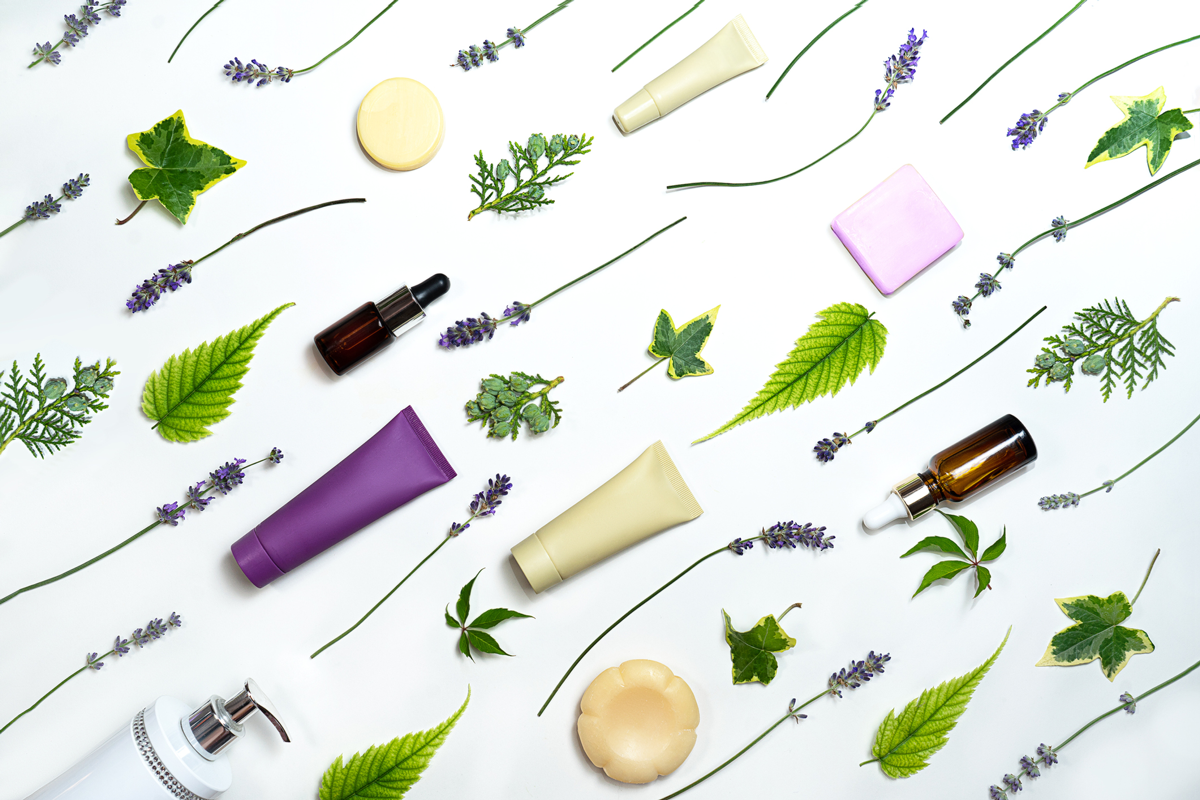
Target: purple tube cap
897,229
252,557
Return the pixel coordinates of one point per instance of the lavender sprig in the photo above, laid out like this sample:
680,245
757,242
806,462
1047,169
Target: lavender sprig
472,330
77,28
988,283
42,209
474,55
155,629
176,276
483,504
781,535
1048,754
898,69
222,480
860,673
827,449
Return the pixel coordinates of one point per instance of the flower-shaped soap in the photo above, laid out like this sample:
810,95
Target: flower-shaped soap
638,722
897,229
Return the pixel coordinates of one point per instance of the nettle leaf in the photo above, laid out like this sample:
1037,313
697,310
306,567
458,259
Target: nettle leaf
178,167
387,771
1144,124
683,345
1096,634
904,744
845,340
195,390
472,634
752,651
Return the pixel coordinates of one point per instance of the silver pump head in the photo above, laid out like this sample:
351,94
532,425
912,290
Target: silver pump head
219,722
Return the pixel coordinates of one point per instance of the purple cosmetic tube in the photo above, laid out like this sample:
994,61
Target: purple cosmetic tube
395,465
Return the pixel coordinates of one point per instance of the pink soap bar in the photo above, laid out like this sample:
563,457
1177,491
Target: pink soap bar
897,229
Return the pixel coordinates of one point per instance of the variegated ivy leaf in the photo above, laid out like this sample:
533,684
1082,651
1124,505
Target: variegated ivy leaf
1096,634
683,345
752,651
1144,124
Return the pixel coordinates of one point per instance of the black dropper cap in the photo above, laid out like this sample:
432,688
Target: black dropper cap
430,289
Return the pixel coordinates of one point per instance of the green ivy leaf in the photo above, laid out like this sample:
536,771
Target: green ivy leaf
836,349
904,744
942,569
1144,124
683,345
195,390
472,634
388,771
752,651
178,167
1096,634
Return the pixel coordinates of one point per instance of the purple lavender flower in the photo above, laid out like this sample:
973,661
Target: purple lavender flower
1130,702
1053,501
1108,486
870,426
463,60
1028,768
1047,755
1061,225
46,52
1027,129
256,72
196,500
468,332
89,15
156,629
120,646
76,28
74,187
225,479
1012,783
900,68
789,534
987,284
149,291
114,7
275,456
476,55
94,662
174,621
860,672
996,793
140,638
739,546
825,450
517,36
485,503
1006,261
489,51
171,514
518,312
962,307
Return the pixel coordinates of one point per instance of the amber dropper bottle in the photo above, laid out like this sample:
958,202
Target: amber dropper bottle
373,326
958,472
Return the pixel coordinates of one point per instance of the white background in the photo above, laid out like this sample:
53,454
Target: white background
765,254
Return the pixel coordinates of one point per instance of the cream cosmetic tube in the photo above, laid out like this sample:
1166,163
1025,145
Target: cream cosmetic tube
646,497
731,52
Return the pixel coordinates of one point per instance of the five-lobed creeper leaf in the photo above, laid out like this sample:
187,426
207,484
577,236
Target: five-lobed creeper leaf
845,340
387,771
753,652
195,390
1144,125
471,634
904,744
969,533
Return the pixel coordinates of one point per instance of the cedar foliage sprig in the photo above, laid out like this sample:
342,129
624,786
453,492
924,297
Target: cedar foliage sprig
41,413
502,403
491,184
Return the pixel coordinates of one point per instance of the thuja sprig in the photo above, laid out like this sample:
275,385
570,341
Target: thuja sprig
42,414
155,629
472,330
859,674
222,481
1107,340
989,283
77,28
780,536
1020,53
483,504
42,209
1047,755
491,185
670,25
176,276
504,402
898,69
474,55
1028,126
1069,499
826,30
827,449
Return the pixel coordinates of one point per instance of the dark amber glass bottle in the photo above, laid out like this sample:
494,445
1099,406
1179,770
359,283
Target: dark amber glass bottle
959,471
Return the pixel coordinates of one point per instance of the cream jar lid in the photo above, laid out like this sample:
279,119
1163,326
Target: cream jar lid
400,124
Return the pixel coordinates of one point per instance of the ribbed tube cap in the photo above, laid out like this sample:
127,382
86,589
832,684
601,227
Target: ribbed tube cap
536,563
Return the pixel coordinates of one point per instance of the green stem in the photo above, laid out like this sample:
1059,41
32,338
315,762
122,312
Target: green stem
244,234
781,177
643,372
189,30
43,58
660,33
348,41
133,213
1137,699
535,23
1148,571
1189,111
775,85
350,630
955,375
1011,60
792,712
19,222
786,610
1144,460
47,694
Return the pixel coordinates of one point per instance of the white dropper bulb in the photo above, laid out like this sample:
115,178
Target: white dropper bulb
886,512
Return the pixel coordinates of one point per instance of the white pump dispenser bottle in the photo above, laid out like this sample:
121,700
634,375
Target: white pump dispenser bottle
167,750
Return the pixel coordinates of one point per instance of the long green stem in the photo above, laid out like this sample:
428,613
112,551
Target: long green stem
47,694
996,347
781,177
775,85
1011,60
1149,569
643,372
1129,472
244,234
348,41
664,30
189,30
792,712
534,24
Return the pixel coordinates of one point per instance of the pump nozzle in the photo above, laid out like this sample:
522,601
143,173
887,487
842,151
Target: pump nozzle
218,723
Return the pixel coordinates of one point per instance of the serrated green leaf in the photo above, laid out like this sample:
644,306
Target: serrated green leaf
485,643
936,543
996,548
178,167
387,772
1144,124
194,391
836,349
904,744
1096,634
683,345
752,651
942,569
983,578
968,530
493,617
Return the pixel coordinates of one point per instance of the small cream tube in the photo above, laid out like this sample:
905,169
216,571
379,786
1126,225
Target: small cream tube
731,52
646,497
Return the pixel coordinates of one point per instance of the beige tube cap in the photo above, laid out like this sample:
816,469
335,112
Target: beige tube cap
536,563
400,124
636,112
